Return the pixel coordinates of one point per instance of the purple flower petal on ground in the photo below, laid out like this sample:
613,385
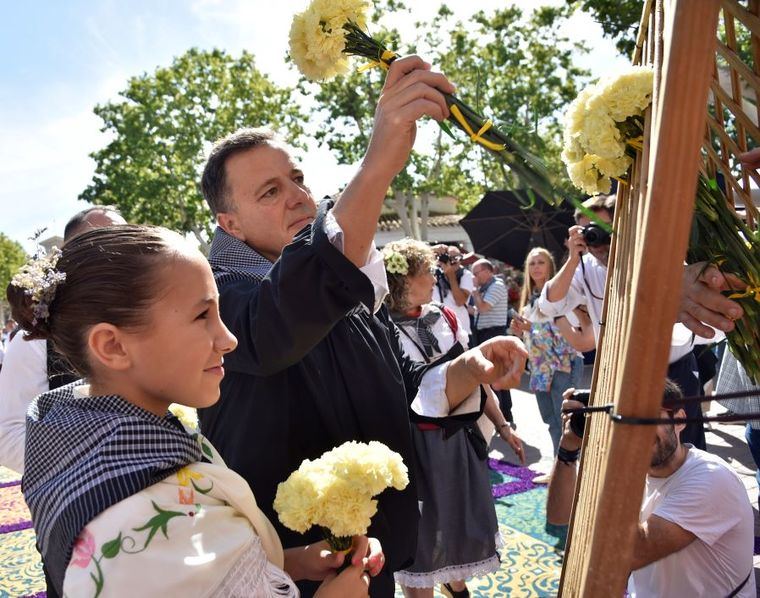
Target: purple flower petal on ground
523,483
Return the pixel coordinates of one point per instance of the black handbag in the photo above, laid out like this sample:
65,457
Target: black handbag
478,442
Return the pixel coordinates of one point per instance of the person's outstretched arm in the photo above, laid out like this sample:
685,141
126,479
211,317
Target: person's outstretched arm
411,91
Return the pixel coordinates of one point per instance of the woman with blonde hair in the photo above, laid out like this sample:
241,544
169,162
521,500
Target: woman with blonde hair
458,532
550,356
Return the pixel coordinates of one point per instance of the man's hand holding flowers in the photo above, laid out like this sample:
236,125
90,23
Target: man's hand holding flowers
411,91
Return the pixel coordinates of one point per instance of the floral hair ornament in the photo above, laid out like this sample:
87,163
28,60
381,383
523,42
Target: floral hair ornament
395,263
39,279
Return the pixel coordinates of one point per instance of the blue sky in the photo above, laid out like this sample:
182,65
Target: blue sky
61,58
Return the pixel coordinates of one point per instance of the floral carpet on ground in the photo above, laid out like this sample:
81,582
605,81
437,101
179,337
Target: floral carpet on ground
530,558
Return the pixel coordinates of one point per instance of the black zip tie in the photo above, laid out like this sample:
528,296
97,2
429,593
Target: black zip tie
656,421
741,394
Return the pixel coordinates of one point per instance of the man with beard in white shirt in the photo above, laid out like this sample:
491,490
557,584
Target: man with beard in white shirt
696,526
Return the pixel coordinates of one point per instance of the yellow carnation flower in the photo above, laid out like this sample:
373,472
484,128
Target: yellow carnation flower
336,490
600,135
576,113
187,416
297,500
627,94
613,168
318,37
345,509
586,177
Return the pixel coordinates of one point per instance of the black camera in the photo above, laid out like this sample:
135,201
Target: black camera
578,420
595,236
444,258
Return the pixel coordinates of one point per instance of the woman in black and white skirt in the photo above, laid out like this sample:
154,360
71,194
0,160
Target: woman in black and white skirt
458,531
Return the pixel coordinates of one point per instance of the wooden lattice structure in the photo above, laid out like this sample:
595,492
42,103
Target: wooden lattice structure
705,111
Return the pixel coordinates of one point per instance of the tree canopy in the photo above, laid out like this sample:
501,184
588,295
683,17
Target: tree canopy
12,257
164,124
619,20
516,68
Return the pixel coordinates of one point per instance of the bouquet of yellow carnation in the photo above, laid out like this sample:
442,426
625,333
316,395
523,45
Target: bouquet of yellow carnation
329,31
602,126
335,492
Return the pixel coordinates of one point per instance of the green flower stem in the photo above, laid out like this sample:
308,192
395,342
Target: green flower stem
722,238
99,579
336,543
528,168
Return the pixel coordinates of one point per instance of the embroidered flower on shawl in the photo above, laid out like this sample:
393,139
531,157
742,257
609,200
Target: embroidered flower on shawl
186,496
39,279
84,549
185,475
395,263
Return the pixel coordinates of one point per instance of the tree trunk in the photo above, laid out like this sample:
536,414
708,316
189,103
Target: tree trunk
424,215
413,217
204,245
400,200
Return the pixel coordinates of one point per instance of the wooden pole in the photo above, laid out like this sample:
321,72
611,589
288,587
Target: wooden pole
617,456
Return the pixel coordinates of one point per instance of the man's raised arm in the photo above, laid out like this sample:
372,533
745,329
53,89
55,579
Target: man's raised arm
411,91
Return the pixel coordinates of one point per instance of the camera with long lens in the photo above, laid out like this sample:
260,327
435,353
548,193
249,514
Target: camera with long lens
595,236
578,420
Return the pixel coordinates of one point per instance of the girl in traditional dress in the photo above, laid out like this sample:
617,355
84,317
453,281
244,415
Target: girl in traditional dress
551,358
458,531
124,498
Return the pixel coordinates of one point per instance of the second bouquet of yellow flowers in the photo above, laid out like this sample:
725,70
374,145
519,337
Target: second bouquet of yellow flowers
335,492
328,32
603,132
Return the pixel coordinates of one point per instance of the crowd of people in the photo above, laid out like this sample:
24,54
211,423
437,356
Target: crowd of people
293,336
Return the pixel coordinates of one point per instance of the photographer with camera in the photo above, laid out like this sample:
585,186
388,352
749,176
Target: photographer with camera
581,281
691,540
453,284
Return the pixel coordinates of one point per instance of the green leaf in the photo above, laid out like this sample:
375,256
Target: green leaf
207,450
158,522
111,548
202,490
446,129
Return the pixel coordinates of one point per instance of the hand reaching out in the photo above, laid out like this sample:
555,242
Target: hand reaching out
411,91
702,302
499,362
509,436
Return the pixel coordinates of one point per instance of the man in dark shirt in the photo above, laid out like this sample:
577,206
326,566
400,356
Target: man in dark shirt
318,361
